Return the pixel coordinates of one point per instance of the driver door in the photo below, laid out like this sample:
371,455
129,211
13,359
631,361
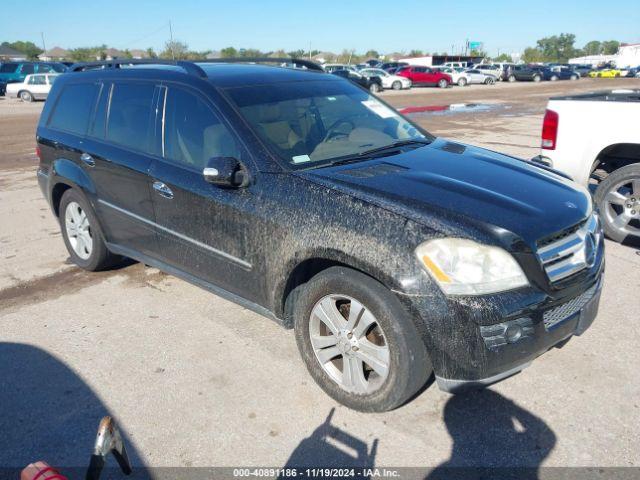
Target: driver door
203,229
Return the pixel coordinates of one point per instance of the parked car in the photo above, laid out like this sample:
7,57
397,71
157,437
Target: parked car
393,254
479,77
332,67
633,72
458,75
582,70
455,65
425,76
559,73
599,147
389,80
389,65
371,83
34,87
525,73
12,72
606,73
489,68
505,70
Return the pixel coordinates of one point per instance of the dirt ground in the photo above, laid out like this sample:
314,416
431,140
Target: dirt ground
197,381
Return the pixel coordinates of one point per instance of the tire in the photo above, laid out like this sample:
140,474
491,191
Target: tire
408,365
617,75
25,96
95,256
536,78
374,88
462,82
443,83
554,78
489,81
619,203
512,78
574,77
397,85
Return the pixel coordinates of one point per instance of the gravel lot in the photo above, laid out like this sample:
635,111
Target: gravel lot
197,381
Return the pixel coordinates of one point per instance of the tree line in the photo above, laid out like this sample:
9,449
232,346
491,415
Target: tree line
556,48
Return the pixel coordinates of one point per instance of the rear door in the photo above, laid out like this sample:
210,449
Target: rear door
203,229
117,155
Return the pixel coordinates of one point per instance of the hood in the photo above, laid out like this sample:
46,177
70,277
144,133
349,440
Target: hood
446,183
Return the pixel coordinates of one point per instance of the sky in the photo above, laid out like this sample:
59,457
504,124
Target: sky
328,25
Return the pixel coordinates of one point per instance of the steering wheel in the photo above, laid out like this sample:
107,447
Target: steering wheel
333,133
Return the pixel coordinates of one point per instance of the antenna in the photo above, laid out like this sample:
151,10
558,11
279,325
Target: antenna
44,48
173,57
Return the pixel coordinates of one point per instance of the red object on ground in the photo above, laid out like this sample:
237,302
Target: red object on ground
41,471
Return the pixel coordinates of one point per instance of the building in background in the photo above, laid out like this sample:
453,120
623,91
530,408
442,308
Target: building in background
628,56
9,54
55,54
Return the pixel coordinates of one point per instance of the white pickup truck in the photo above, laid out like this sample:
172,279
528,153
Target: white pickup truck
595,139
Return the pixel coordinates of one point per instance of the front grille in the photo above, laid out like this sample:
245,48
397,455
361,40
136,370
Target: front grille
558,314
570,251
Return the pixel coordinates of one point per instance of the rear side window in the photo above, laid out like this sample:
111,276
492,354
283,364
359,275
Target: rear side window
8,68
27,69
130,115
193,133
73,108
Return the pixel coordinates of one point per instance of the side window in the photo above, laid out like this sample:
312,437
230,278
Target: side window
73,108
27,69
37,80
44,68
193,133
130,115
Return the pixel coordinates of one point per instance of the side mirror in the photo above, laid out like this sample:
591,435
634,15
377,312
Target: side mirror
226,172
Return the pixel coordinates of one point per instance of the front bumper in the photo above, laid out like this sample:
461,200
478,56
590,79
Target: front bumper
481,341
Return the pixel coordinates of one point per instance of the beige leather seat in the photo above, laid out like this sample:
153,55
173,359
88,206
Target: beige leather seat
270,121
218,142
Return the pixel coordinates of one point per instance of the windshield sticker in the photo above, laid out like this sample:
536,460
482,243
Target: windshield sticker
301,159
379,109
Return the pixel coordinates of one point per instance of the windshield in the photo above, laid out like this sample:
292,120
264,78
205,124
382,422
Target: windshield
313,123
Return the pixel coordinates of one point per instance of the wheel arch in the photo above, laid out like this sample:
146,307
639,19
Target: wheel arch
302,269
616,156
68,175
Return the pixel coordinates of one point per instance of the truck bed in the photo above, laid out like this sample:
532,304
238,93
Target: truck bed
621,95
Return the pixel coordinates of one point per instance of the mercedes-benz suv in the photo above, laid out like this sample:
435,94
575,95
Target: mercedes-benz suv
393,254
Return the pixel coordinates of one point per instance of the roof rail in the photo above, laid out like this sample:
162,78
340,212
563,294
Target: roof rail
190,66
309,64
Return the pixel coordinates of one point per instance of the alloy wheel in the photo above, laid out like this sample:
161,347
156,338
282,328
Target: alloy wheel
622,207
78,230
349,344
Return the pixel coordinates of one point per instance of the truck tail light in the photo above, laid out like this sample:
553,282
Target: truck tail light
550,129
38,153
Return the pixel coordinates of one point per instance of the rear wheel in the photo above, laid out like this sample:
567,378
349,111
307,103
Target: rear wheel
443,83
358,342
374,88
553,78
618,199
536,78
82,234
489,81
512,78
574,77
397,85
26,96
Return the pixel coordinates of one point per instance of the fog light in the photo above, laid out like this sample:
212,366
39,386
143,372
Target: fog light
501,334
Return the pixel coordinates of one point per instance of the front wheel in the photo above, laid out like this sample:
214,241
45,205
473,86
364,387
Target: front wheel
443,83
618,199
358,342
554,78
512,78
574,77
374,88
82,234
462,82
397,85
26,96
536,78
489,81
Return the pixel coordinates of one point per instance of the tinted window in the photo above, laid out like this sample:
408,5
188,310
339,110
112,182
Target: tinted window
27,68
130,115
37,80
8,68
193,133
100,117
73,108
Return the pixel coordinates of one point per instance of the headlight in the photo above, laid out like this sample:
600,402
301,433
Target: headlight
464,267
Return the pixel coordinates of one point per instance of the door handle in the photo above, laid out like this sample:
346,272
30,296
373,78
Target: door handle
88,159
162,190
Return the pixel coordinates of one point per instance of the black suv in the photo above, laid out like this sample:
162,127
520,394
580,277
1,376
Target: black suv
296,193
373,83
532,73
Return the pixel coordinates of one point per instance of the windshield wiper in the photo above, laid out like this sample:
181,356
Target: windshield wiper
374,151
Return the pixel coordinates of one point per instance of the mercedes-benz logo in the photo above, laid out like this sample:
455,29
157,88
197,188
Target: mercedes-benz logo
590,250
